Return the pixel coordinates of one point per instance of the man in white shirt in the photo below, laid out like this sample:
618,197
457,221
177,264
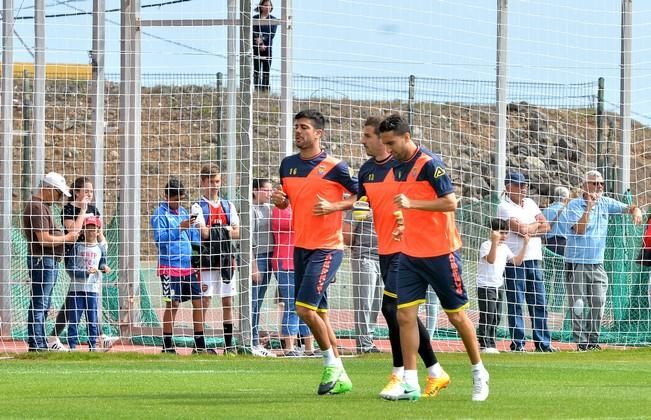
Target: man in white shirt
524,281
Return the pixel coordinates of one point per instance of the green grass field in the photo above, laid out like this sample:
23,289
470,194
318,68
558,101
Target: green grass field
612,384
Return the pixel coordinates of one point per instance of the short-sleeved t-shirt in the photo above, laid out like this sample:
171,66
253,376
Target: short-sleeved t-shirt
492,275
525,214
263,240
70,212
553,216
590,247
37,217
364,238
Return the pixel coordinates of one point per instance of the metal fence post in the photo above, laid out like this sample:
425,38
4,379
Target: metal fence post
410,104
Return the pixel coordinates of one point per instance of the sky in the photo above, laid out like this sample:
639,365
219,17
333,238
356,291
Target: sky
549,41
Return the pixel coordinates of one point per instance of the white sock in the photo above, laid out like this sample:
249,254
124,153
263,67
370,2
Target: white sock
329,358
435,371
479,367
411,378
339,363
398,371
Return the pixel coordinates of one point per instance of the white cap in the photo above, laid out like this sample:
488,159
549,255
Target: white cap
57,181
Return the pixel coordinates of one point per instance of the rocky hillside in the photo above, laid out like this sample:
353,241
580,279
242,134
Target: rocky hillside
183,127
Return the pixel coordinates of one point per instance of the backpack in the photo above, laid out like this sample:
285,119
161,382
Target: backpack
218,252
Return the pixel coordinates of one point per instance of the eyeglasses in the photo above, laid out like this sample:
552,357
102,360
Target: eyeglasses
596,183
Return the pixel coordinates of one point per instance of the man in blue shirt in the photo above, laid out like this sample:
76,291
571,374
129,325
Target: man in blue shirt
554,240
585,223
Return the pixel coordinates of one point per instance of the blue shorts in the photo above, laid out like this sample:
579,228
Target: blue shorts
389,270
180,289
314,270
443,273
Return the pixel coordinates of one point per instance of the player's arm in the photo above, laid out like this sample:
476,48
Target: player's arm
495,242
440,204
323,206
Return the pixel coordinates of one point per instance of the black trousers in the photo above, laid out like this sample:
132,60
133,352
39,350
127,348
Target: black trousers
490,313
261,67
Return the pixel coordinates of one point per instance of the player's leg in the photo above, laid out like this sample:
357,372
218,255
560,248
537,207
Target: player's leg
514,282
575,288
75,306
446,280
60,324
597,287
315,270
227,291
92,320
537,305
171,287
362,300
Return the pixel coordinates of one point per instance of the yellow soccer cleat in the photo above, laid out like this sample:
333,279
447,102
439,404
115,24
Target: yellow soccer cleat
435,385
389,388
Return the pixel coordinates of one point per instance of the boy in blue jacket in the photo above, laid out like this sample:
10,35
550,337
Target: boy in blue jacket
174,234
84,264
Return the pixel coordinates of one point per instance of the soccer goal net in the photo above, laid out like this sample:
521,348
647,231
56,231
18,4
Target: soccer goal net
170,88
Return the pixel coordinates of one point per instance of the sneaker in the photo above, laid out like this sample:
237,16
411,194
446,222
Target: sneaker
107,342
581,347
549,349
370,350
329,378
260,351
390,387
93,349
230,351
168,351
292,353
403,392
480,385
57,345
343,384
211,352
490,350
518,350
594,347
435,385
313,353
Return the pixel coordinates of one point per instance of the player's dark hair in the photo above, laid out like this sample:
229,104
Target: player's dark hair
499,224
394,123
374,122
78,185
317,118
174,188
258,8
258,183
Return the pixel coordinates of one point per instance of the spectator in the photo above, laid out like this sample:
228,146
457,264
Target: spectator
219,224
555,238
525,281
45,248
73,217
263,248
263,37
645,252
585,222
493,255
85,261
360,236
174,234
282,261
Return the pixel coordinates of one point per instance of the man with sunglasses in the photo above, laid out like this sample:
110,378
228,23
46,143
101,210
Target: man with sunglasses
45,242
585,223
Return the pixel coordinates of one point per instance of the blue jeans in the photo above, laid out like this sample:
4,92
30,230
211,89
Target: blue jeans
525,282
291,323
257,294
79,303
43,274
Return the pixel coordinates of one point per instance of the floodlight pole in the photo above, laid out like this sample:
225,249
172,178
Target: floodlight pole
97,100
286,93
501,93
130,172
231,101
624,178
38,96
6,164
245,128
